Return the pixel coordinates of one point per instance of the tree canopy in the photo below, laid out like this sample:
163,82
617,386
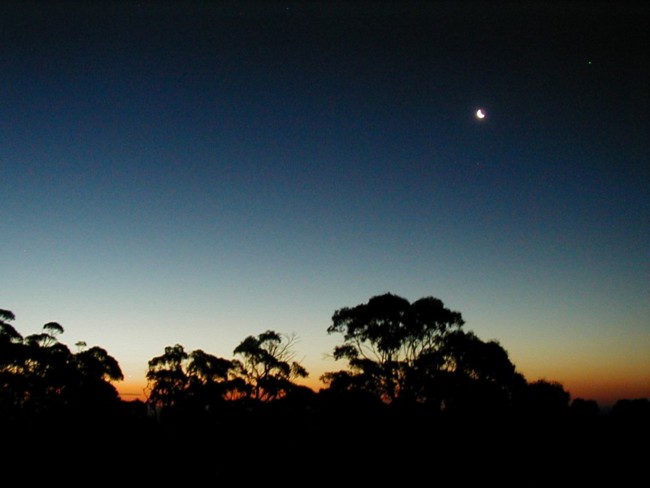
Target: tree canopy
264,371
41,377
406,353
399,355
268,364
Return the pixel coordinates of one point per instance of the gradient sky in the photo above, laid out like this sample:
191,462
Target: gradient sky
196,172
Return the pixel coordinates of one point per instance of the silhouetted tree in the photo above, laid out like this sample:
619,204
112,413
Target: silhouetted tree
41,378
543,399
633,411
97,364
268,365
212,379
190,381
167,378
49,369
584,409
93,389
13,384
349,394
7,331
467,374
390,345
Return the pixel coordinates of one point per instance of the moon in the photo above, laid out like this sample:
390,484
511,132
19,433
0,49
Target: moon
480,113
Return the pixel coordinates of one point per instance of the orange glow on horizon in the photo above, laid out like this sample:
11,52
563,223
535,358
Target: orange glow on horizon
131,390
605,391
136,390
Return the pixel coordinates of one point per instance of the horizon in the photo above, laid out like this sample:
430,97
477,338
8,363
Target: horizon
605,396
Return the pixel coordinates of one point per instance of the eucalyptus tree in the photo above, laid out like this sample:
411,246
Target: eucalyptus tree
12,379
40,376
268,365
213,379
95,372
469,374
387,341
167,377
180,379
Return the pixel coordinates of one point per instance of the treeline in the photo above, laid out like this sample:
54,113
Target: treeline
403,361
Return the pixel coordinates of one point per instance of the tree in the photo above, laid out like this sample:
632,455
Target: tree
13,384
97,364
7,331
583,409
473,375
41,377
167,377
417,354
195,380
206,368
10,343
268,365
632,411
544,399
212,379
388,341
90,391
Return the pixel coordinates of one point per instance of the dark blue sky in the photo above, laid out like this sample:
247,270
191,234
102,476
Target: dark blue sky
195,172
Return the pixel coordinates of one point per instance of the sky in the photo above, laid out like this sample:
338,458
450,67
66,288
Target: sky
197,172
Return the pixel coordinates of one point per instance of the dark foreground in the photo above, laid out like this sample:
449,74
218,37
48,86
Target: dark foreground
345,448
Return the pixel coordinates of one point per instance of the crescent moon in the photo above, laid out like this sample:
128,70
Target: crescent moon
480,114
